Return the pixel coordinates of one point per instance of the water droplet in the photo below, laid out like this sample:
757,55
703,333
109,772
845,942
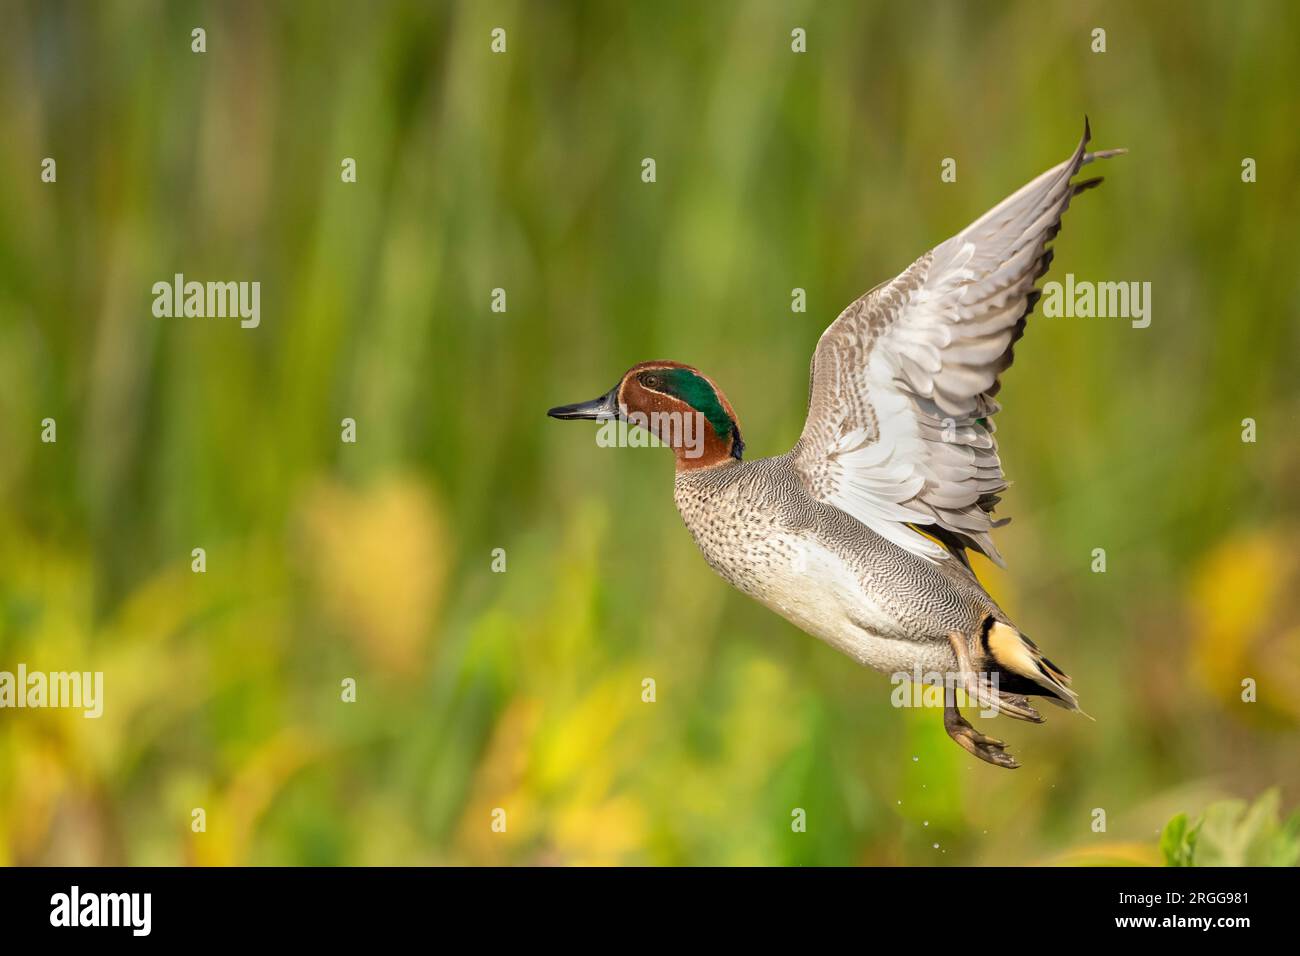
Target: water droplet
927,823
936,846
915,758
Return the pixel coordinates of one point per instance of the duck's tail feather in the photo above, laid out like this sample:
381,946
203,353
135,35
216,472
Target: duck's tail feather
1020,657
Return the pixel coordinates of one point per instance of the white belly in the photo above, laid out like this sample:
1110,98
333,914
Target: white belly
820,594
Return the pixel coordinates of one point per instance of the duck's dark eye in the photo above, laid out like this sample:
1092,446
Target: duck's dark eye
652,381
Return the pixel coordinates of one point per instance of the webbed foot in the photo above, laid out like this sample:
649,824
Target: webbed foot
988,749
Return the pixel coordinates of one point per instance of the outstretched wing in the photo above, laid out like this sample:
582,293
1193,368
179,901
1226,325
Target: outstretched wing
899,430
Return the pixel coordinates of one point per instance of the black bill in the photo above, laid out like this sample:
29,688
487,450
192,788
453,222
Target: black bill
604,407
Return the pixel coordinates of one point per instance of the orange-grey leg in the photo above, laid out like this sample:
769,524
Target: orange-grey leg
988,695
989,749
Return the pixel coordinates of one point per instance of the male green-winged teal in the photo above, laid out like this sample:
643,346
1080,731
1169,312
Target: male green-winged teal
859,534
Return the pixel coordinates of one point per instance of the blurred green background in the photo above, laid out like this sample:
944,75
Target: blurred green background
522,690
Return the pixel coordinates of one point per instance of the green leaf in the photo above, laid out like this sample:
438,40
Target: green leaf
1229,833
1178,841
